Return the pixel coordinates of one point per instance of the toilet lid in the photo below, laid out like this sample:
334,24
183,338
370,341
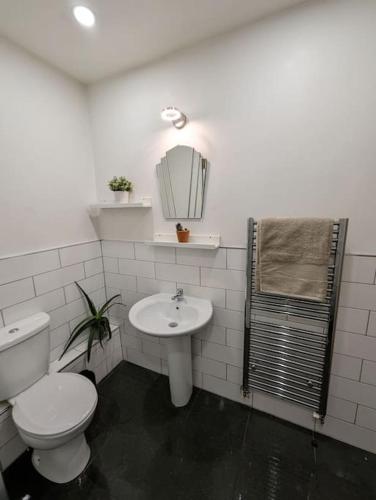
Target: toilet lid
55,404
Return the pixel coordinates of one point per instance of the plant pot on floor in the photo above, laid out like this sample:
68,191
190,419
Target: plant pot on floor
90,375
183,236
121,196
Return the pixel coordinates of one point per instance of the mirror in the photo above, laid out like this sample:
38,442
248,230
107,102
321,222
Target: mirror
182,178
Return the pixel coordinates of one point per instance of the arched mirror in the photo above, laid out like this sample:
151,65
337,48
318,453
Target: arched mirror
182,175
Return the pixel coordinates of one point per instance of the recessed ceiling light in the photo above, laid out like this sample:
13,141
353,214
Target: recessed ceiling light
84,16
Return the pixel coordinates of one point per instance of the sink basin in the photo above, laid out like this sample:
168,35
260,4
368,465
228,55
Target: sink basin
159,315
174,321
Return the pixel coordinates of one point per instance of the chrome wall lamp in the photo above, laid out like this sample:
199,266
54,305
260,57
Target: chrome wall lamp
172,114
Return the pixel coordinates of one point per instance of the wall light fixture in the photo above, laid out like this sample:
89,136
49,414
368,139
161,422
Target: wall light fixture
84,16
172,114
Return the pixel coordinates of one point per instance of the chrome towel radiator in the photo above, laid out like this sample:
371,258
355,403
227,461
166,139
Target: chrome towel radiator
288,342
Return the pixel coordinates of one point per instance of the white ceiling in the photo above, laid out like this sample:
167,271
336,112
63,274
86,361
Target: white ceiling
128,33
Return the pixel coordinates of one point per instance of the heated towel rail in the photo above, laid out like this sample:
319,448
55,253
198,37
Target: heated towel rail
288,342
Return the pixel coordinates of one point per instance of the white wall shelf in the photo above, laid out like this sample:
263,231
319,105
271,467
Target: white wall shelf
202,241
95,209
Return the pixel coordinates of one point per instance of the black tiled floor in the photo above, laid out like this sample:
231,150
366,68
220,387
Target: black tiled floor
213,449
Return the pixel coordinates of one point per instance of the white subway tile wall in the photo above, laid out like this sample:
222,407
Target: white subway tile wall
352,320
346,366
15,268
59,278
358,269
44,281
218,348
372,324
80,253
368,372
174,272
154,254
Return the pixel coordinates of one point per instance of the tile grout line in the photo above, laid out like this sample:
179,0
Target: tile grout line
35,290
84,268
60,287
357,381
33,298
341,332
356,413
58,254
361,372
31,276
351,422
105,285
46,250
360,282
60,268
367,325
332,374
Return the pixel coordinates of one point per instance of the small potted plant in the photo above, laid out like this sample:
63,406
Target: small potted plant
121,188
97,323
182,234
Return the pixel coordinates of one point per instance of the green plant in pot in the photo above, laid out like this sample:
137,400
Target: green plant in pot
182,234
121,187
97,323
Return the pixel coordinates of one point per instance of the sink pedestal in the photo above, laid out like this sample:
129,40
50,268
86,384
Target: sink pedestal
179,359
174,321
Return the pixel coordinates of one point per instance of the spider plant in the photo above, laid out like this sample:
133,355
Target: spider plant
97,323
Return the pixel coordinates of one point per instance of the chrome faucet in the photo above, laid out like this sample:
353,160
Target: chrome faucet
179,295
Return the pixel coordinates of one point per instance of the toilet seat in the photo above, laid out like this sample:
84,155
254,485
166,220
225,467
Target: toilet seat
55,405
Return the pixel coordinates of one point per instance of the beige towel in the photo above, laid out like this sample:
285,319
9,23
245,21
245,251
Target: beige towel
293,257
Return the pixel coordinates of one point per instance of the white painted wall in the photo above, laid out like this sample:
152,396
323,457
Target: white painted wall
285,111
46,160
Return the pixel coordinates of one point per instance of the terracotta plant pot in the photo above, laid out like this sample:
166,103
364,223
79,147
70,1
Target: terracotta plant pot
183,236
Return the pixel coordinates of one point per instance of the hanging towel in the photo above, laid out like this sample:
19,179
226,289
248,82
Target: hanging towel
293,257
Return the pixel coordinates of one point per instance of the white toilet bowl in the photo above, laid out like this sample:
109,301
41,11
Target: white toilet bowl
51,417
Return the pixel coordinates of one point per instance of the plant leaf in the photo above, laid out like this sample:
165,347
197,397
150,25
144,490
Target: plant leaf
85,320
90,303
97,323
90,342
101,332
76,332
104,307
108,327
114,304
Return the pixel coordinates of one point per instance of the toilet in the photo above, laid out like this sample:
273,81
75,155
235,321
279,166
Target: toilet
50,411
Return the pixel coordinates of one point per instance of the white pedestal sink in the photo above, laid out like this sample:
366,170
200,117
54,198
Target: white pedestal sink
175,321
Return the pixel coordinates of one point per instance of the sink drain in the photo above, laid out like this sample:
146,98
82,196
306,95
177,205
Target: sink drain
172,324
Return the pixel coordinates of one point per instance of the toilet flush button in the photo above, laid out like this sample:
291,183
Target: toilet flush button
14,330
